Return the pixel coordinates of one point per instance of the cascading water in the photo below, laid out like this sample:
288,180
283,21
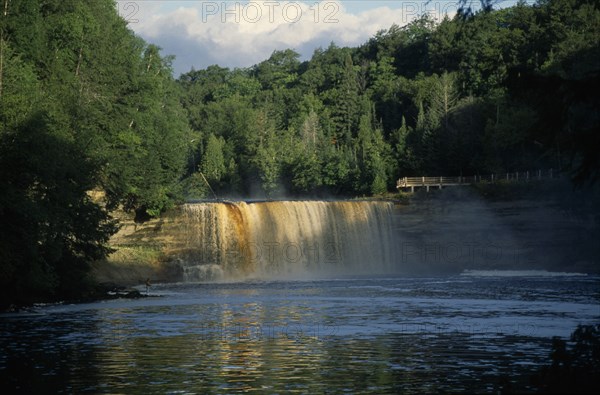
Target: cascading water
236,240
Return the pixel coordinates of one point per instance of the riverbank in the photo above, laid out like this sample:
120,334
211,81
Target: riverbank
143,250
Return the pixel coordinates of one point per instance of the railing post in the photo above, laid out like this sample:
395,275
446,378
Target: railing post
441,182
506,176
423,180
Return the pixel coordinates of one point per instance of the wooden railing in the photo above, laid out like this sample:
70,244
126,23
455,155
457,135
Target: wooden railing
442,181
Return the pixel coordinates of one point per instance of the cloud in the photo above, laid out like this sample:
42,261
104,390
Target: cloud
241,34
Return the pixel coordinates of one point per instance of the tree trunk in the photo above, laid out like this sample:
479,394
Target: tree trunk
79,61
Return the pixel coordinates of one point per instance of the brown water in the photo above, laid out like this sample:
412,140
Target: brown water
468,333
240,240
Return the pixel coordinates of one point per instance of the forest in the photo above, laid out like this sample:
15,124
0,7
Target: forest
92,119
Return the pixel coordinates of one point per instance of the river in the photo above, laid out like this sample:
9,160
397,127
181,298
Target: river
466,333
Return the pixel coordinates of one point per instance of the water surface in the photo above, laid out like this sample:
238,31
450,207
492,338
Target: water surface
469,333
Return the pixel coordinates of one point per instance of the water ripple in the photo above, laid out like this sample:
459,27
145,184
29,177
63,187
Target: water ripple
358,336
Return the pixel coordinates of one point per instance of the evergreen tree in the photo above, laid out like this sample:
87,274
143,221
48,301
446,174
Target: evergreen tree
213,162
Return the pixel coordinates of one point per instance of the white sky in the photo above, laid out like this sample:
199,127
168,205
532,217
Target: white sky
242,33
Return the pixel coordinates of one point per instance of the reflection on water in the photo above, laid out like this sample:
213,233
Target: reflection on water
362,335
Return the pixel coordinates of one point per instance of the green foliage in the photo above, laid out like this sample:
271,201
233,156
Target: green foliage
279,71
85,105
421,99
373,157
51,229
306,172
213,162
268,168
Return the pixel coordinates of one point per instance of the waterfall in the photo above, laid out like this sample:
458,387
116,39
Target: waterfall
238,240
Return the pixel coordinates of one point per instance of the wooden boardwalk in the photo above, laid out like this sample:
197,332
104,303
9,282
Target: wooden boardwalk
442,181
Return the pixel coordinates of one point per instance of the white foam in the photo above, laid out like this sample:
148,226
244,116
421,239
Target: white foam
518,273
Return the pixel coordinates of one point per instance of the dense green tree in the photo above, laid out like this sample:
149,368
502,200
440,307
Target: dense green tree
213,162
86,108
306,173
442,101
51,229
563,91
444,53
402,151
344,102
266,158
280,70
373,156
339,169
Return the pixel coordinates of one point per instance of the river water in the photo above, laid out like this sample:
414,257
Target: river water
469,333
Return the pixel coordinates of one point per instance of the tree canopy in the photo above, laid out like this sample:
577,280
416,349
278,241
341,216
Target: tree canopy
483,92
86,109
